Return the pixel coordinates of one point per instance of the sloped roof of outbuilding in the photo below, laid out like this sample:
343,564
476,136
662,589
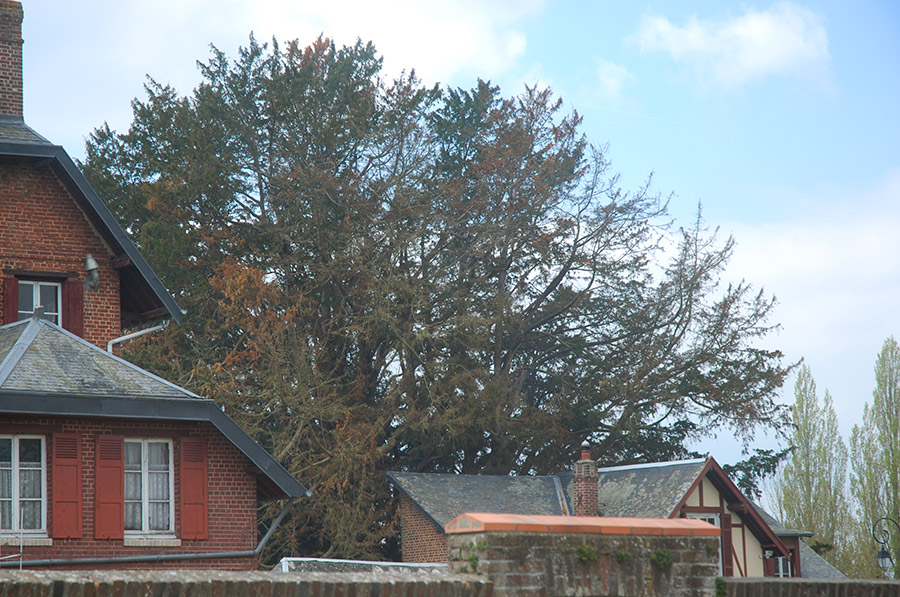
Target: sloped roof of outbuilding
443,497
46,370
143,295
812,565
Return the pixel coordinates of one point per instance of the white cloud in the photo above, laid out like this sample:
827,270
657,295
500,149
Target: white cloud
784,40
837,280
612,79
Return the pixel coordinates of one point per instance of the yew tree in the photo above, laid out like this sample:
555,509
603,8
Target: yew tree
381,275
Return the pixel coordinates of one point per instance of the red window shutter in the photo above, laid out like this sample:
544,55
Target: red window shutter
194,493
73,306
727,547
109,487
10,300
66,476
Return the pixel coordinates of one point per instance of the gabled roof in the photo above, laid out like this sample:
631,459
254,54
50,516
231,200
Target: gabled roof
46,370
646,490
143,295
443,497
812,565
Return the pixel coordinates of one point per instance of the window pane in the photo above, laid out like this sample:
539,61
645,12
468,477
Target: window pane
132,486
159,486
31,515
6,452
132,516
26,297
159,517
5,483
30,451
30,483
159,456
49,298
5,514
133,455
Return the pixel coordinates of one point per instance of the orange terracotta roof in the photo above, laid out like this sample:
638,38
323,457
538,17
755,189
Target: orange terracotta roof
481,522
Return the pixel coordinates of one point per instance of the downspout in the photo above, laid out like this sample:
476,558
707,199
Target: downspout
120,339
172,557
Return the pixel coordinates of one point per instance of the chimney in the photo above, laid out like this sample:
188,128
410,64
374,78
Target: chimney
585,490
10,58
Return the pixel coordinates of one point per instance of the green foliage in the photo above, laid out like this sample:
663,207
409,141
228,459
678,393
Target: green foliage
587,554
623,557
721,587
384,276
810,493
875,458
748,474
662,559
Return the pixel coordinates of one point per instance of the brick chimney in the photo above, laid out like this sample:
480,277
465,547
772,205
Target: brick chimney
10,58
585,491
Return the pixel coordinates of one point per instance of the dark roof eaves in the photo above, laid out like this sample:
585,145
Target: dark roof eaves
177,409
68,167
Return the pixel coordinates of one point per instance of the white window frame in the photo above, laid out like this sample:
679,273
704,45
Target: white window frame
780,562
145,488
36,299
15,510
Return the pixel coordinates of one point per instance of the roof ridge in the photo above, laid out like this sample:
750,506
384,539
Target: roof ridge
626,467
17,350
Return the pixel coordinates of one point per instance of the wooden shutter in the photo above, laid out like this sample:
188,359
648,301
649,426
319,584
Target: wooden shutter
73,306
194,492
727,547
66,483
10,300
109,487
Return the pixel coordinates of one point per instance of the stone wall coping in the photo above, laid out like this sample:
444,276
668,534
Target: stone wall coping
479,522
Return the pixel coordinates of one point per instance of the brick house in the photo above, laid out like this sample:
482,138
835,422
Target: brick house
751,542
102,464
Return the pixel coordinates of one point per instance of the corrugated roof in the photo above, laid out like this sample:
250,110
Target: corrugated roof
646,490
443,497
39,356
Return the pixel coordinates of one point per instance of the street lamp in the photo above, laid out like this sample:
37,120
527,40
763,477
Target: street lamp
882,535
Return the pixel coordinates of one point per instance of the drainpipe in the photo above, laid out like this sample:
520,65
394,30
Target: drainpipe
120,339
170,557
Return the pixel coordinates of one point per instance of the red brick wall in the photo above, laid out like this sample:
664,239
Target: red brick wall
42,229
232,495
421,539
586,497
10,58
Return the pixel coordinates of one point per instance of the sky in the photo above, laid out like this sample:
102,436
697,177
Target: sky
781,120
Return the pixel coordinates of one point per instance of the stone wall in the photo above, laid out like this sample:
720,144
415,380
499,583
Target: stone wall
230,584
807,587
558,564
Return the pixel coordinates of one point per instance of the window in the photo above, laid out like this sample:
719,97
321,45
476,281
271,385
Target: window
148,486
23,485
47,294
782,567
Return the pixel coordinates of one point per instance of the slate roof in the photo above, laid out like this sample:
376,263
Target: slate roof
13,128
444,497
812,565
645,490
38,356
48,371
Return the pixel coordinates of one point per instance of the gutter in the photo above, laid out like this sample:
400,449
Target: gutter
171,557
120,339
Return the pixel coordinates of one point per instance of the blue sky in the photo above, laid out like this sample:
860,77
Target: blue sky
782,118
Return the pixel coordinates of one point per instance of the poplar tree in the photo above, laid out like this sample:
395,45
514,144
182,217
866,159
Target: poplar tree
810,492
875,449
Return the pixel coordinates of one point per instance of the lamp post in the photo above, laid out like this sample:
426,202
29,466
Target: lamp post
881,532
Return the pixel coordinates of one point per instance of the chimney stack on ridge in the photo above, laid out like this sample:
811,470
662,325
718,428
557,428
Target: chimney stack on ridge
584,485
11,58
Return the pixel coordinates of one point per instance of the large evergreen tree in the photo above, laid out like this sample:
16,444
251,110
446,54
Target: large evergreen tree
811,490
384,276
